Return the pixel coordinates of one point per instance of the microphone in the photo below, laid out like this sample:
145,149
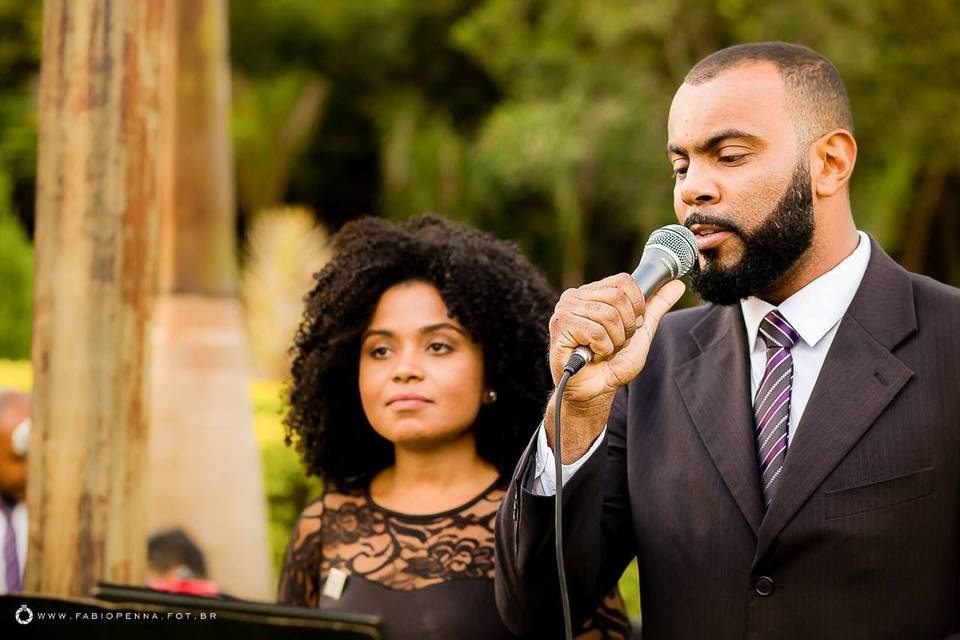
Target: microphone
669,254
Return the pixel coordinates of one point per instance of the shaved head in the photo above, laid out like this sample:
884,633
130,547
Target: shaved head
816,94
14,409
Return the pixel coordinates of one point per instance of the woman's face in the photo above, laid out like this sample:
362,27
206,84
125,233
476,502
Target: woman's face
421,377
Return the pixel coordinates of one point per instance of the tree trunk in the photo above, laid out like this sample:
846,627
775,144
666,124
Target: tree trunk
204,463
198,245
96,220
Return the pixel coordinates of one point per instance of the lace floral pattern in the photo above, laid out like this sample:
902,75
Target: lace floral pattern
351,523
454,559
408,552
347,531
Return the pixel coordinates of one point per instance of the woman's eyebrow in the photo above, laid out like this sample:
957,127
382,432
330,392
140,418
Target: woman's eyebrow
442,325
427,329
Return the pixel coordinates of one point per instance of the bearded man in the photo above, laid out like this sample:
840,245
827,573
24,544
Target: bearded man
783,462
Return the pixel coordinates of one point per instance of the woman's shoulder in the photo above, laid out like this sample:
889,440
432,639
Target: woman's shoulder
485,504
333,499
327,504
334,504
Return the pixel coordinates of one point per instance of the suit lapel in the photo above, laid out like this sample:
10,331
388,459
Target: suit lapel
859,378
715,387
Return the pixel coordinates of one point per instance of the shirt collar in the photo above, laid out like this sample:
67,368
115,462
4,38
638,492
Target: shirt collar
819,306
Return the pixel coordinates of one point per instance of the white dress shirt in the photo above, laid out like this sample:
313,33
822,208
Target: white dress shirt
19,517
814,311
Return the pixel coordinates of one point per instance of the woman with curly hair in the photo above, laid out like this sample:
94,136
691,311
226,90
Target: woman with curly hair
419,373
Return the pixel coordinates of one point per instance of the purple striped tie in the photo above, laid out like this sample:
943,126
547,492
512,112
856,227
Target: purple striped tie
771,407
12,567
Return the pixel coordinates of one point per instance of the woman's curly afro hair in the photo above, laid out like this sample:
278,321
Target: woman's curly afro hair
488,286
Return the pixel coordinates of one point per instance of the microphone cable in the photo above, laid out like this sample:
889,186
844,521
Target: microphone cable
558,499
578,359
673,251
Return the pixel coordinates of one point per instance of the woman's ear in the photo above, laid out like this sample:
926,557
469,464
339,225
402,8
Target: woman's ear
833,157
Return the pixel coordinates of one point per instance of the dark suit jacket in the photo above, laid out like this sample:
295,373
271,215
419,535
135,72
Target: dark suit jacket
862,539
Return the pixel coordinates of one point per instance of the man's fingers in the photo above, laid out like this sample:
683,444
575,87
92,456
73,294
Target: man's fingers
610,305
584,331
608,318
630,360
621,291
626,284
661,302
602,316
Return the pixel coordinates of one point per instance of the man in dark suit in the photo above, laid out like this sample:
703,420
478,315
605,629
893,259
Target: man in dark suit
783,462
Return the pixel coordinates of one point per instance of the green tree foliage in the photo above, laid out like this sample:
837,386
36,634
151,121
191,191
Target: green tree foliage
540,120
16,281
403,101
273,121
19,60
544,120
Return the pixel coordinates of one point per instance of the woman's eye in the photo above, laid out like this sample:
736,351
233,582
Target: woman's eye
439,347
379,352
679,171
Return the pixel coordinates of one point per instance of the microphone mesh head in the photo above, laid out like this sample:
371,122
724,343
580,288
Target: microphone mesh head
679,241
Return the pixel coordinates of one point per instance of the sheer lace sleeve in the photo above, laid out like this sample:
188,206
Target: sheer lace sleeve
300,574
609,621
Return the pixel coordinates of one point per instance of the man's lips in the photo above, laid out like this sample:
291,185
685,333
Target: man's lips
709,236
403,401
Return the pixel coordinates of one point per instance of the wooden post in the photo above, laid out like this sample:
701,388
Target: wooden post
96,229
205,472
198,242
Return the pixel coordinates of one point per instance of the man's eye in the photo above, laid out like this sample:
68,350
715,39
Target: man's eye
731,159
679,171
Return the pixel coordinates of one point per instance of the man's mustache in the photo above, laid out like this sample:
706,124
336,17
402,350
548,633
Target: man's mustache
705,218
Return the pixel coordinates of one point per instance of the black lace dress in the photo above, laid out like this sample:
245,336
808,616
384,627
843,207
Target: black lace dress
426,576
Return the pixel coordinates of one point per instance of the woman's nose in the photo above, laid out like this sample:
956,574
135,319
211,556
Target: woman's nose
408,365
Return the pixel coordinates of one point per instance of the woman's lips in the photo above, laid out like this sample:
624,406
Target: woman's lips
407,402
712,240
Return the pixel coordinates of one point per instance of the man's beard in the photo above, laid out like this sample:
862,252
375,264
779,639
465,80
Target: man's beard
769,251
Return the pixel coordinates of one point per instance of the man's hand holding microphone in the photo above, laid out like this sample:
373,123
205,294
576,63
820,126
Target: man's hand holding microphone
617,322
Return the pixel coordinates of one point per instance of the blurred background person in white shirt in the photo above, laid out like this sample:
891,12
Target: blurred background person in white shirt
14,438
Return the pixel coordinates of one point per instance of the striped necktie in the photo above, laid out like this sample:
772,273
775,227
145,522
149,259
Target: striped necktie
11,565
771,407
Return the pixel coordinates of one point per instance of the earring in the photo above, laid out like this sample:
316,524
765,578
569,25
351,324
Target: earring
491,396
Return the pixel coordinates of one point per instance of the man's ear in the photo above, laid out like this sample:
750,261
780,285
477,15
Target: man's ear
834,155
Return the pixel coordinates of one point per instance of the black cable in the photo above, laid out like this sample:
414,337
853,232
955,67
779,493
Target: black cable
558,501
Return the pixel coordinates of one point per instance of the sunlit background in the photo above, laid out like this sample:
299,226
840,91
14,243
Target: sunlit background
540,121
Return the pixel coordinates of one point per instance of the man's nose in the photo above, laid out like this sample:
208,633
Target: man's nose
699,186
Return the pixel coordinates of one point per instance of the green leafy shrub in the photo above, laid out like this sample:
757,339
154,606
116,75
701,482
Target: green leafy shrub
286,487
16,282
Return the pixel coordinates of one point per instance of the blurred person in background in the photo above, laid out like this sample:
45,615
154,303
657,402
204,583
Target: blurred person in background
176,564
419,374
14,440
